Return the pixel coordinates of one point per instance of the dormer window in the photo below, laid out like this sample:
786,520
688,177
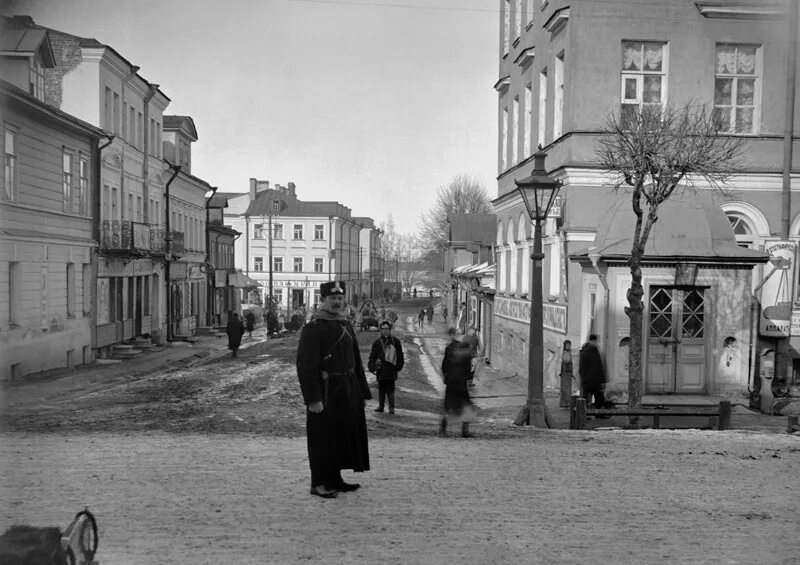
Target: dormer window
37,79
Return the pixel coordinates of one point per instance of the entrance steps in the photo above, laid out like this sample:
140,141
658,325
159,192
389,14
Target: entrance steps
124,351
189,338
142,343
205,330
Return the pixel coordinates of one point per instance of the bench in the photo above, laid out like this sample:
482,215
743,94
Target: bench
579,412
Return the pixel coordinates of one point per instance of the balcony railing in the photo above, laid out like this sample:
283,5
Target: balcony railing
138,238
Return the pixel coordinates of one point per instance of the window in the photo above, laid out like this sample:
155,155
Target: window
157,148
139,130
14,293
514,136
107,116
132,126
277,231
86,281
138,208
736,88
529,10
504,139
319,231
258,231
319,265
83,187
277,295
129,210
519,18
259,264
37,79
277,264
71,290
558,106
644,79
298,231
506,26
297,265
114,204
276,205
527,115
10,164
742,229
66,161
542,107
116,114
152,137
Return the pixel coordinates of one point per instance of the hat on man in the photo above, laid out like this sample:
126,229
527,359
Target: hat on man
329,288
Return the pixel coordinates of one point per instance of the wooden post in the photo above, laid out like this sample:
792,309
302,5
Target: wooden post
572,406
792,424
580,414
724,414
566,374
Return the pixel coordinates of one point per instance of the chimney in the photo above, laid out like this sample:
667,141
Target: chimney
262,185
291,188
253,184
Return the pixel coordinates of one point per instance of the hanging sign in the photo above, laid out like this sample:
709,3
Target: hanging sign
776,294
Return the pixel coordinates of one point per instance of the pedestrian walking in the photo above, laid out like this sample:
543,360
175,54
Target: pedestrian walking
458,407
421,319
385,361
235,331
429,313
249,322
471,339
444,312
334,388
592,373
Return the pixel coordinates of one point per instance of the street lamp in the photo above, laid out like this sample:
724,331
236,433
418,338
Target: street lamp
540,190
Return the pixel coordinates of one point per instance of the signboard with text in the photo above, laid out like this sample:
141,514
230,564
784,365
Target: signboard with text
776,294
554,316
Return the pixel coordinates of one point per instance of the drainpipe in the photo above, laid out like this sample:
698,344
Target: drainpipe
97,151
330,248
146,151
210,272
168,255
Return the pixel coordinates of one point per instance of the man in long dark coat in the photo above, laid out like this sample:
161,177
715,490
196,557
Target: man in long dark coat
385,360
456,365
592,373
235,331
334,389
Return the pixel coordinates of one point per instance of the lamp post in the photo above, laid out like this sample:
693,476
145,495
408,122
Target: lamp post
540,190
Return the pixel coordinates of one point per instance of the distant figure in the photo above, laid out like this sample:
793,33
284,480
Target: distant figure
415,292
458,407
235,331
429,312
444,312
250,322
472,340
430,293
592,373
421,319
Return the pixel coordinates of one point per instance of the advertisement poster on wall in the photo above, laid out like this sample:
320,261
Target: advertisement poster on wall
102,301
776,294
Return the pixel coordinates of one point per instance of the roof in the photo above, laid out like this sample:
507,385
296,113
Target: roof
185,123
218,201
291,206
10,92
479,228
482,273
28,41
690,226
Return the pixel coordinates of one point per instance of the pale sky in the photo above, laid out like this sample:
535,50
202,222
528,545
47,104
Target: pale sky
373,103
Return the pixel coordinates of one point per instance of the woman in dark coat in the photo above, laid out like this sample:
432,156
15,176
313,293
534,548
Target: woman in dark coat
235,331
385,360
456,368
250,322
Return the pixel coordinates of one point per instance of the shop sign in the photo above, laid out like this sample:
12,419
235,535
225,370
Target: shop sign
220,278
177,271
556,208
554,317
795,322
776,294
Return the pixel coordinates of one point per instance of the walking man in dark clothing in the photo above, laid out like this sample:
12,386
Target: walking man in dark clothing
592,373
250,322
235,331
385,360
456,365
334,388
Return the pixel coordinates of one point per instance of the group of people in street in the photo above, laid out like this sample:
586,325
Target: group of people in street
426,312
334,386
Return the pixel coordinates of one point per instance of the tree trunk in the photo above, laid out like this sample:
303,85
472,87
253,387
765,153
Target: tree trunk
635,313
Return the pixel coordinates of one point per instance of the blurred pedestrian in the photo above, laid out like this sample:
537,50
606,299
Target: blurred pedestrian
592,373
421,319
458,407
235,331
444,312
429,312
385,361
249,322
334,388
472,340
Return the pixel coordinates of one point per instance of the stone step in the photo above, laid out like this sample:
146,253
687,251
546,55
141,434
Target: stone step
189,338
205,330
142,342
126,353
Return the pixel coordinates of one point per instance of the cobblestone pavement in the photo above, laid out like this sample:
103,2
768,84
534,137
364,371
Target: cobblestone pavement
546,497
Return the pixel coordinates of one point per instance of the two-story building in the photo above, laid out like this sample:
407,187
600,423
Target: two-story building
308,242
221,238
563,67
48,195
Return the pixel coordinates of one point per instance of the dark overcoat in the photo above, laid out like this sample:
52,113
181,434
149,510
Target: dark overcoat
337,436
235,331
387,371
590,366
456,369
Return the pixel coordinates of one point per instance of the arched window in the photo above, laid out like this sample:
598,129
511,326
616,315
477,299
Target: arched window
742,229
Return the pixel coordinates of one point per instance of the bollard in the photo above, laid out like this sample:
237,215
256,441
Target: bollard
572,406
724,414
566,374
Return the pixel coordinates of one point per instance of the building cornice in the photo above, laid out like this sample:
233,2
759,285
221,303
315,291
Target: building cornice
762,10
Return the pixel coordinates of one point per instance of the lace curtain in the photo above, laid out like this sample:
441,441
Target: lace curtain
733,59
638,56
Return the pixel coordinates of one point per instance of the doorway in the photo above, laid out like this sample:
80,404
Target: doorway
298,298
676,340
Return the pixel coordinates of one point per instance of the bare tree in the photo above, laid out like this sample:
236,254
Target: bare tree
389,242
409,254
654,153
464,194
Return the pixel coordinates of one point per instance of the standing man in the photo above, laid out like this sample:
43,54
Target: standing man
592,373
334,389
385,360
